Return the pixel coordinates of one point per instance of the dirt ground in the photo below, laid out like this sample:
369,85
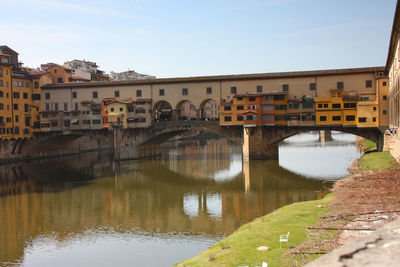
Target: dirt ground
363,202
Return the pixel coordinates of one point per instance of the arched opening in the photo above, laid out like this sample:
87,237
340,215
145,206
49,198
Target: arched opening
186,110
209,110
162,111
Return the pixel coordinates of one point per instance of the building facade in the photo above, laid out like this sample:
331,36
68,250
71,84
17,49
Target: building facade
393,69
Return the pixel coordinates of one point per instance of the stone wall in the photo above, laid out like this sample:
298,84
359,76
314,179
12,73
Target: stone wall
392,143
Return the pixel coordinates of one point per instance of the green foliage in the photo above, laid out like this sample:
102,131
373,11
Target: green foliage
369,144
378,161
240,248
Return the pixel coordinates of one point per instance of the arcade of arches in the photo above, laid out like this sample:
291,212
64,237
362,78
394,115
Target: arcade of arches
186,110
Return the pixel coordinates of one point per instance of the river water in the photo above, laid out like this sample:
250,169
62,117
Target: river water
87,210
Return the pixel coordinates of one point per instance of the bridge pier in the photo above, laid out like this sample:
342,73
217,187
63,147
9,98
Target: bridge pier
257,145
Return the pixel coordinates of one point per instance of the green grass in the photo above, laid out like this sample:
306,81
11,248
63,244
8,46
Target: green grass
263,231
378,161
370,145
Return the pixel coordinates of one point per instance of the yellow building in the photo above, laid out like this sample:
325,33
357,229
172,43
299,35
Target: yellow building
129,113
6,124
363,109
60,74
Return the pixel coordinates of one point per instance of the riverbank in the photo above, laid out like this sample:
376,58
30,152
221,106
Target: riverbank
355,208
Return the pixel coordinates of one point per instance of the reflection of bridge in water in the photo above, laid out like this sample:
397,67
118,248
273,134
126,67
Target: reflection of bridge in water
147,197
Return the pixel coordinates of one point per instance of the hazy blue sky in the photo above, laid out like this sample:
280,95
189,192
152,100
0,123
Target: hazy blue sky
200,37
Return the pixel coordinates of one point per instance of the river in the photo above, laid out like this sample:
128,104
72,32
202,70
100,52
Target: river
87,210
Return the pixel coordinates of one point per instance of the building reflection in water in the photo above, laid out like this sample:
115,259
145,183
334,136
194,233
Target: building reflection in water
192,190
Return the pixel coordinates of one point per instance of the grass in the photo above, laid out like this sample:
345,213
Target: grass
378,161
370,145
240,248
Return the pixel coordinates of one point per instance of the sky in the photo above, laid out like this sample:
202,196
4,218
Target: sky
176,38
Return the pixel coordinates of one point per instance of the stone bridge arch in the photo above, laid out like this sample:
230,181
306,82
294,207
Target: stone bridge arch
162,111
263,142
209,109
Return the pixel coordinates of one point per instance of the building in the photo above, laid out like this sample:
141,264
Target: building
20,96
129,114
58,73
87,70
129,75
393,69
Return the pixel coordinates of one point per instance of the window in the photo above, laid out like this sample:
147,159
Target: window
349,105
319,105
336,118
240,108
140,110
96,122
364,98
54,124
161,92
74,94
116,93
233,90
259,88
294,105
209,90
374,119
326,105
35,96
16,94
15,106
268,117
27,84
226,108
252,98
4,60
47,96
384,97
340,85
27,121
285,87
26,108
47,106
36,85
121,109
251,117
384,112
374,108
363,119
336,106
1,72
16,118
16,130
56,106
308,105
368,83
112,109
94,94
239,98
322,118
1,82
75,106
384,83
350,118
60,80
227,118
268,97
65,106
280,107
313,86
1,94
267,107
185,91
279,97
239,118
25,95
86,121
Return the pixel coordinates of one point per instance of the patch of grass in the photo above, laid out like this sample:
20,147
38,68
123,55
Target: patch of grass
263,231
378,161
370,145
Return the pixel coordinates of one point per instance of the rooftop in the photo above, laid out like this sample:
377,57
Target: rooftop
273,75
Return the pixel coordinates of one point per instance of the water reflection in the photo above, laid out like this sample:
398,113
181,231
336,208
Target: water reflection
87,210
305,155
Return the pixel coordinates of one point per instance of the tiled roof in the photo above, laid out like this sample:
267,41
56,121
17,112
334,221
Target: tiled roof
274,75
